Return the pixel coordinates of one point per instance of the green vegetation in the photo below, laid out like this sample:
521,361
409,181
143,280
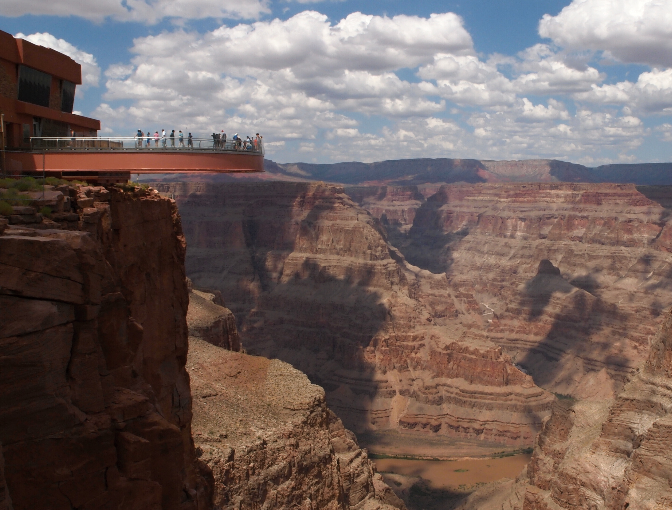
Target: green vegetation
561,396
512,453
404,457
133,186
46,211
462,470
13,197
55,181
5,208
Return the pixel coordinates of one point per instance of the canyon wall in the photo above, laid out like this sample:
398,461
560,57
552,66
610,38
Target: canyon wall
265,431
314,282
584,319
601,455
611,455
95,403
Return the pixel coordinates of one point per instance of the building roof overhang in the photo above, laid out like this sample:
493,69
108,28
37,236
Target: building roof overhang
20,51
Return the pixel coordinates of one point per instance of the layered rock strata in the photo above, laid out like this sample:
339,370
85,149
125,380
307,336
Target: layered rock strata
611,247
313,281
603,455
95,404
614,455
270,440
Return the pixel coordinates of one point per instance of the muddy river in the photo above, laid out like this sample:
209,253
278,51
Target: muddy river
445,474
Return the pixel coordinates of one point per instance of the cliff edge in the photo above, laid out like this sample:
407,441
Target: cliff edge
95,402
265,431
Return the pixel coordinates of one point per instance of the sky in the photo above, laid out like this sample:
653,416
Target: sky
586,81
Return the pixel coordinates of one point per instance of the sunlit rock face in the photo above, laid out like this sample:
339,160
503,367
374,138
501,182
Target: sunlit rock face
313,281
608,454
265,431
578,329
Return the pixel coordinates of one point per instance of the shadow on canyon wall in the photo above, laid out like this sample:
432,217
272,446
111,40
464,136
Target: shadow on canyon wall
574,325
293,303
427,245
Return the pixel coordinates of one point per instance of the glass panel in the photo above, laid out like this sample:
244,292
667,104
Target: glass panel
67,96
34,86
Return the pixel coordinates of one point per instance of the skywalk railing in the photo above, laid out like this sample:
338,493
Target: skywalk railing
144,144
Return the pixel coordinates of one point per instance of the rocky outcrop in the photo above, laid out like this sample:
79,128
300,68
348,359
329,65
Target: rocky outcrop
314,282
270,440
95,404
602,454
265,431
611,455
210,321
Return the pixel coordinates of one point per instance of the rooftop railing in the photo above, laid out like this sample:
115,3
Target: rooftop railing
144,144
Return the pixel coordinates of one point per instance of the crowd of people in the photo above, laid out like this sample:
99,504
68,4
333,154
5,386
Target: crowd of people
218,140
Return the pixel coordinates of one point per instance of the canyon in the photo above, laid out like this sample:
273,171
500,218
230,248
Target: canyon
422,309
99,325
265,431
608,454
573,277
314,282
433,320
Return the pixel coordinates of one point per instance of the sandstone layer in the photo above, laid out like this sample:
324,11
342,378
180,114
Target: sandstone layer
271,442
580,323
95,403
313,281
603,455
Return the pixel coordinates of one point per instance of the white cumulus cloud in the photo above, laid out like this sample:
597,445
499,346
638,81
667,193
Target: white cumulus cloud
650,94
143,11
90,68
632,31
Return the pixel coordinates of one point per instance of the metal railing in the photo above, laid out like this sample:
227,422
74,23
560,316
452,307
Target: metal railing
144,144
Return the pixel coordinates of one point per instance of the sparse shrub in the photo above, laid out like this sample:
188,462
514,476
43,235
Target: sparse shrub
6,182
46,211
55,181
12,197
5,208
27,184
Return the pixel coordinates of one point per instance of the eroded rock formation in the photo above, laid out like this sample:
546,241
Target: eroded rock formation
265,430
95,404
602,454
313,281
580,329
270,440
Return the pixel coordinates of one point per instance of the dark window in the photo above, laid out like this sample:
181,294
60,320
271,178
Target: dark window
34,86
67,96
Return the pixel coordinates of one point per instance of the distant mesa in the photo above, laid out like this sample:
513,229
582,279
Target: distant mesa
422,171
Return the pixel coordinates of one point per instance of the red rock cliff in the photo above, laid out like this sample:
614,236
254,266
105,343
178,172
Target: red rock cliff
314,282
95,403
